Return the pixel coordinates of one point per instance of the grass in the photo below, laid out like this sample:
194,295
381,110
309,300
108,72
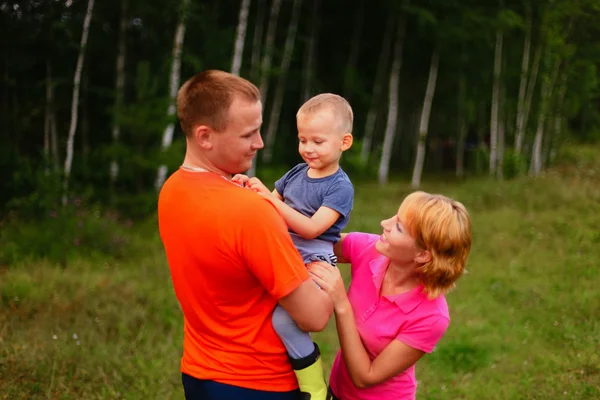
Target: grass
525,319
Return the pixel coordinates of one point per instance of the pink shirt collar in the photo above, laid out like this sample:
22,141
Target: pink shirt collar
407,301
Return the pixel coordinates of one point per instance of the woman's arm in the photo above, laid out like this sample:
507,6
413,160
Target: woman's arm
393,360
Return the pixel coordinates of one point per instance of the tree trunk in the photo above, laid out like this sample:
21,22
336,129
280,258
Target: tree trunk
495,102
288,52
462,126
311,50
85,124
519,138
378,84
257,41
350,73
268,51
75,99
240,37
119,89
520,128
173,87
535,167
424,124
392,118
554,140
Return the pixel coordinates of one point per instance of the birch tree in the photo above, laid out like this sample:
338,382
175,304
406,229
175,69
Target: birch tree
495,101
519,130
392,118
167,137
535,167
265,67
240,37
119,88
75,99
378,85
520,134
425,113
288,52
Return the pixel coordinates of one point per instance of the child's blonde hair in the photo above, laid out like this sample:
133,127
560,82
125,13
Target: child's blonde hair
342,112
442,226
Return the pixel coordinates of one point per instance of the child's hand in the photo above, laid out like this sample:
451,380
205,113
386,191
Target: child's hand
330,280
240,179
256,185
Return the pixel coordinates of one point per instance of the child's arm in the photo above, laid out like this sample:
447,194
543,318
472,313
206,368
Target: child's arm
308,228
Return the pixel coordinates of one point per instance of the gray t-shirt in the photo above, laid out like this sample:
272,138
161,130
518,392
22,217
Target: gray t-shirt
306,195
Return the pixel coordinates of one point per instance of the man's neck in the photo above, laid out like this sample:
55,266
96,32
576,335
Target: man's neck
199,164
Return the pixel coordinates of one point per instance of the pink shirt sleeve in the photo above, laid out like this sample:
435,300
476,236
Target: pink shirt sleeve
356,248
425,333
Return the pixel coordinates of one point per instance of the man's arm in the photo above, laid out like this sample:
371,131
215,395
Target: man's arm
309,306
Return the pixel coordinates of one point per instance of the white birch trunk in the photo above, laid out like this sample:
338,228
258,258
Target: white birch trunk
311,49
257,41
529,97
268,51
535,167
495,102
392,118
288,52
462,126
240,37
75,99
520,128
167,138
119,87
424,124
558,119
378,84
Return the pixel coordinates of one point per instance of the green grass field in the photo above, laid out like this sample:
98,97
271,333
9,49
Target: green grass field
525,318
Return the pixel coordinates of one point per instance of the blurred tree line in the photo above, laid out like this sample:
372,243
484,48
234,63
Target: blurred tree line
437,86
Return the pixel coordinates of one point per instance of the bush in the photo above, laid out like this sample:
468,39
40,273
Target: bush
64,233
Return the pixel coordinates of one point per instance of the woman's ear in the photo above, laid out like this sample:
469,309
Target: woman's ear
423,257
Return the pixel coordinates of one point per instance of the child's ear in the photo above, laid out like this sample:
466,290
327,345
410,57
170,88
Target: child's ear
347,140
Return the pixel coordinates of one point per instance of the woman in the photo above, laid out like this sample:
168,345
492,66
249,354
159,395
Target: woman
395,310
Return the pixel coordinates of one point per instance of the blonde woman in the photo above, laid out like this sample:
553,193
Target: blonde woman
395,310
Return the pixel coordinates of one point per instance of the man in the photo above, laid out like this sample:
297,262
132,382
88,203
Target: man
231,257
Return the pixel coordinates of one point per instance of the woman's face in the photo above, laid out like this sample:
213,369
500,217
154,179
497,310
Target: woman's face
396,243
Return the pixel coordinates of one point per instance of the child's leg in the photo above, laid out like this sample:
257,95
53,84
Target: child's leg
304,355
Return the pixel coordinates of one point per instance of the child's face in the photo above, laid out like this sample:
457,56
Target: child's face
320,142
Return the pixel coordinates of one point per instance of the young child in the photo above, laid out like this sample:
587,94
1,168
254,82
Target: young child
315,199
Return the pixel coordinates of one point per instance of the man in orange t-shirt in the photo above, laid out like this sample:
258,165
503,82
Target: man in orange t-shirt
230,255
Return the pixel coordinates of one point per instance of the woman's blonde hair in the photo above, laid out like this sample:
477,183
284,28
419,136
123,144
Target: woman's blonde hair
443,227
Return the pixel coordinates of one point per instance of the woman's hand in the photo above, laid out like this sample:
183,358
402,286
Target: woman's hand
330,280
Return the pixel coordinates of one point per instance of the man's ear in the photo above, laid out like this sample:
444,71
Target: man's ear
202,136
423,257
347,140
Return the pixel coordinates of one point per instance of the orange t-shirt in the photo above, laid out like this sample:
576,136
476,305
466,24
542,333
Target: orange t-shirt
231,259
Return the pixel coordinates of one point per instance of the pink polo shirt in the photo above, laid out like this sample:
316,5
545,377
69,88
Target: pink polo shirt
408,317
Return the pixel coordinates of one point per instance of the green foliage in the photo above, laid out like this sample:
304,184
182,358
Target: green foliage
354,166
514,164
63,234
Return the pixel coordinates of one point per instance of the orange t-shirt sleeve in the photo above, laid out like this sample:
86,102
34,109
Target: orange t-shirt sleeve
269,252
